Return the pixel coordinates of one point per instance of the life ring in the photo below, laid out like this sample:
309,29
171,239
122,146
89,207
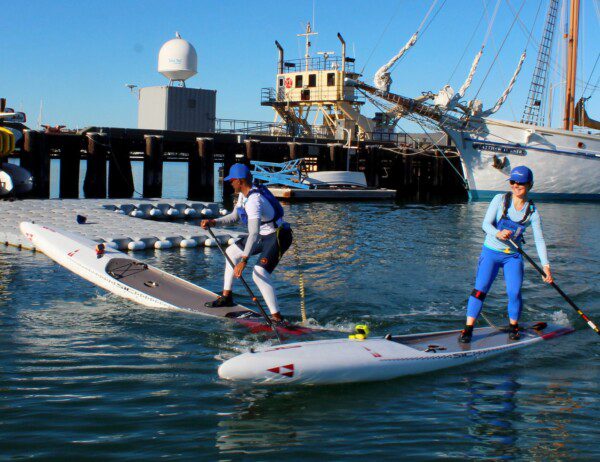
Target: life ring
288,82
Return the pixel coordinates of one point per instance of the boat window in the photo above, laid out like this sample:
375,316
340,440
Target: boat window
298,81
281,81
312,80
330,79
305,95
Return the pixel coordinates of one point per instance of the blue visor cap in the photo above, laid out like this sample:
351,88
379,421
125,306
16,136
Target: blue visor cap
521,174
238,172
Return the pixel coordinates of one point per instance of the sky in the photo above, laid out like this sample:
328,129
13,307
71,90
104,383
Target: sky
77,56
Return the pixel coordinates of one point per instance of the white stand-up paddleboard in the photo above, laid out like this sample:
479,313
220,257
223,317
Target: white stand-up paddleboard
116,272
344,361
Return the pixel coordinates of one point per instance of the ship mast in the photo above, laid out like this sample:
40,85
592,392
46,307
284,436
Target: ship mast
569,117
307,34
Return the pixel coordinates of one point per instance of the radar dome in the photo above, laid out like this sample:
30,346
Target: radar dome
177,59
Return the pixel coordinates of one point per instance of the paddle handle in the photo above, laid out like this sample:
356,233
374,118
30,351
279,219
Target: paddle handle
254,298
558,289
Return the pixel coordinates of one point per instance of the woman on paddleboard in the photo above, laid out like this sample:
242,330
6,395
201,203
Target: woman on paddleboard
507,218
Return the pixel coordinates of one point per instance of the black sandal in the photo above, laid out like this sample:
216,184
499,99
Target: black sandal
466,335
513,333
221,302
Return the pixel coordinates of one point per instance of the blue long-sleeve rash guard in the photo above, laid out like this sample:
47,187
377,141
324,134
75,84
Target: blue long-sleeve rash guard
493,215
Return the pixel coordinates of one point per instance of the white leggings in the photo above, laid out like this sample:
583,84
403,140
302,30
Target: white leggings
260,276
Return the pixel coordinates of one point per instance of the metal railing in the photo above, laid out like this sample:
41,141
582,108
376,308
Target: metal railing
256,127
319,63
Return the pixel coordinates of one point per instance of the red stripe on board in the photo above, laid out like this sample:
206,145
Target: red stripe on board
558,333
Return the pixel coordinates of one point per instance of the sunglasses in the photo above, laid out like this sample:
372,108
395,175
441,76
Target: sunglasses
512,182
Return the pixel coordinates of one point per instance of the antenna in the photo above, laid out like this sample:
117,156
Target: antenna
326,55
307,34
131,87
39,121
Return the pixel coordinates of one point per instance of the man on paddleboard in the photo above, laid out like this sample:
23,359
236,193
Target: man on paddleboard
268,235
507,217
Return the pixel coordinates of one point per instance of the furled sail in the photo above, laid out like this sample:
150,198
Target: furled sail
582,119
502,98
383,78
469,79
447,98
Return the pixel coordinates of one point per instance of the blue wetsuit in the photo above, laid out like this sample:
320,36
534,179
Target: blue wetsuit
498,254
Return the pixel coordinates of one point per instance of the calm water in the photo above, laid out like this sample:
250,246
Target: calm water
84,375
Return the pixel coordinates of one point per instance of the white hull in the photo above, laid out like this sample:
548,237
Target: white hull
343,361
566,165
334,178
14,179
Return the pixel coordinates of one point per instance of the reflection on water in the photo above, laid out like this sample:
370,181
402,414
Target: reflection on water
493,411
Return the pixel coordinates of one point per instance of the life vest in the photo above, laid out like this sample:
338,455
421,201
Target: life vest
517,227
271,199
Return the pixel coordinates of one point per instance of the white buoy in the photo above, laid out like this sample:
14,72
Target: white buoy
155,213
173,212
223,212
136,245
163,244
231,241
190,212
112,245
210,242
120,212
185,243
137,214
206,212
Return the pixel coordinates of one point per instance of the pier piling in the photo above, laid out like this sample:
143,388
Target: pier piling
372,161
153,166
70,161
337,156
120,176
36,159
253,149
94,185
201,178
294,150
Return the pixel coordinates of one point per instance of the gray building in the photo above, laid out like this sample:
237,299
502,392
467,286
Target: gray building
177,108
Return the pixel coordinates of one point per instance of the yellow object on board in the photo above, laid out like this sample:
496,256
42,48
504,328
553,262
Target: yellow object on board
362,332
7,141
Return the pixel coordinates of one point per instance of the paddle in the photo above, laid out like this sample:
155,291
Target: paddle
558,289
254,298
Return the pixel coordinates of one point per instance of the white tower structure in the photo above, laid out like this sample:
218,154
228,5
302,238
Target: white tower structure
177,60
176,107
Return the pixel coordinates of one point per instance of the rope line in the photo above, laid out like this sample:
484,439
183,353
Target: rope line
500,49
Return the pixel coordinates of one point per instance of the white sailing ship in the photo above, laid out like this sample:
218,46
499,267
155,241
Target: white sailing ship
566,163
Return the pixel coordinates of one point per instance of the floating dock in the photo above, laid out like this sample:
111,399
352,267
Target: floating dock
329,194
115,223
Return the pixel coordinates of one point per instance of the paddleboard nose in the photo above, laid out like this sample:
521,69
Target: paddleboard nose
27,228
236,369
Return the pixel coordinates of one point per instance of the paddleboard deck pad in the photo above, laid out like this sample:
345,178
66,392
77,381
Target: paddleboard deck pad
115,272
344,360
